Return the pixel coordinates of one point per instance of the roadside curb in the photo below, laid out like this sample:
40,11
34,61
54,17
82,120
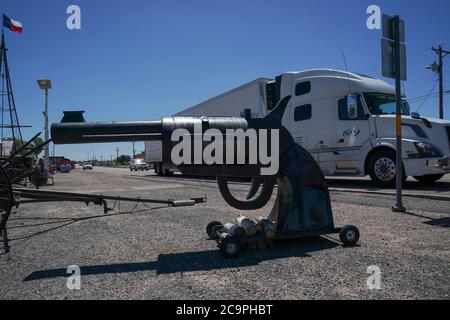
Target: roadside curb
413,195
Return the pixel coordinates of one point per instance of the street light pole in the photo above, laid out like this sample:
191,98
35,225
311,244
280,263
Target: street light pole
46,85
46,149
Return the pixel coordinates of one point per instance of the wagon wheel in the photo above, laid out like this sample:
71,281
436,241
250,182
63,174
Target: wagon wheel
6,197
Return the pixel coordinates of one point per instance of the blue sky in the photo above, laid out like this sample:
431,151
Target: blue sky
143,59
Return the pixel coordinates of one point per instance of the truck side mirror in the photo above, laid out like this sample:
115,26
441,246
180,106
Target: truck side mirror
352,107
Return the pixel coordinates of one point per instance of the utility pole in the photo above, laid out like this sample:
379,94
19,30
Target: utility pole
439,69
117,157
134,152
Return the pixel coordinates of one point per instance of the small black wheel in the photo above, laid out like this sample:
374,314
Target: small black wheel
230,247
212,227
349,235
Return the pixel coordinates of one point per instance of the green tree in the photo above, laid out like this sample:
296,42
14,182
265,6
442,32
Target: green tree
123,160
19,143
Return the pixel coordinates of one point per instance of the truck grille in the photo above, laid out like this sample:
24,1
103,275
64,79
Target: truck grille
448,135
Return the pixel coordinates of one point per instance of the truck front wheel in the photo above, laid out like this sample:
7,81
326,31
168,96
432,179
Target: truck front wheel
429,178
168,173
382,168
158,169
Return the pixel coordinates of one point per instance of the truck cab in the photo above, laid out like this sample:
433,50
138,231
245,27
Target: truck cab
347,122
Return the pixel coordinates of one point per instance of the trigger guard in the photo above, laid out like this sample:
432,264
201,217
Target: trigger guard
256,182
257,203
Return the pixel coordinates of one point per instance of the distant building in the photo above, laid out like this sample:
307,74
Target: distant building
58,161
6,148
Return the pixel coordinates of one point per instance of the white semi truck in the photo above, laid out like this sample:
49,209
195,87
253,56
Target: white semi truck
345,120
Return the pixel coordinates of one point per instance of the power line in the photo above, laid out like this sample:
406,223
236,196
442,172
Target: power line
420,98
434,95
426,98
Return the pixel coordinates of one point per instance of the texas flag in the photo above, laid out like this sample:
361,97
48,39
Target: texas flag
11,24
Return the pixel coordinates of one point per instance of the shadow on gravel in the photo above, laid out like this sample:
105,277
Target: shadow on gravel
55,223
199,261
441,222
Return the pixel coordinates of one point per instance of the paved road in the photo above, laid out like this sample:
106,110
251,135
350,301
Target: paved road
163,253
441,187
356,185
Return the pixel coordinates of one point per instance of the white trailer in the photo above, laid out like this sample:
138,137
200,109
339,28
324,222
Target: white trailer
345,120
251,95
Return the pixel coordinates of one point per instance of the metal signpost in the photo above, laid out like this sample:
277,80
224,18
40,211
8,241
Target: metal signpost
394,66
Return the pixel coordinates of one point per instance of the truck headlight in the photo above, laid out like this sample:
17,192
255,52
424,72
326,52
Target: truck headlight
426,150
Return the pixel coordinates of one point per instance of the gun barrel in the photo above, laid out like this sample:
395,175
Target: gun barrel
97,132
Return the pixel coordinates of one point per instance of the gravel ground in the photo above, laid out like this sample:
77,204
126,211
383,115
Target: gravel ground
163,253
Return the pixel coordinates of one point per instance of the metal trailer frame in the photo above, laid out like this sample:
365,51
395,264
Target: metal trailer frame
22,196
231,247
10,197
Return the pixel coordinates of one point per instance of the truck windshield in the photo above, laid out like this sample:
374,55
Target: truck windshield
381,103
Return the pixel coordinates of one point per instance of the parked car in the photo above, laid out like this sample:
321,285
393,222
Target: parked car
138,164
87,166
66,168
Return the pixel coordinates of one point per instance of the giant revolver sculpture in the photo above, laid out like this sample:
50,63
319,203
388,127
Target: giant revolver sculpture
302,206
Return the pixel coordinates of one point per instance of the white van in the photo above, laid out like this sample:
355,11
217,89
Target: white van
352,140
